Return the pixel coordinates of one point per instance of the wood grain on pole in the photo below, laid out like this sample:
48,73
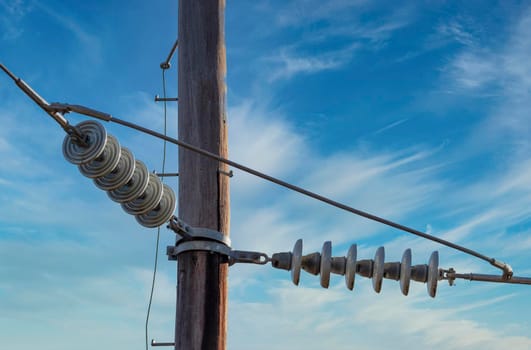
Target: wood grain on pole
201,320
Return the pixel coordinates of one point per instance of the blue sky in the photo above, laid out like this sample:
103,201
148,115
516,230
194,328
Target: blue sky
416,111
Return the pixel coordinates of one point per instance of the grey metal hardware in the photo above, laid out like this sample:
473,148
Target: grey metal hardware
247,257
166,63
229,173
188,232
203,239
234,256
155,343
64,108
166,99
167,174
451,275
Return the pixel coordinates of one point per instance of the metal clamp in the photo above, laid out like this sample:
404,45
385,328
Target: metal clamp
235,256
189,233
246,257
210,246
202,239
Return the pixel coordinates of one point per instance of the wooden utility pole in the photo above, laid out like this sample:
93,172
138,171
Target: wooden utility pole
201,321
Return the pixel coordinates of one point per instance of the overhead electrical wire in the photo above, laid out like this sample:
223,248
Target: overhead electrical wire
163,170
506,268
60,108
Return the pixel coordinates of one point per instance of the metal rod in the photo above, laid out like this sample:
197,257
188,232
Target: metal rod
166,64
8,72
166,174
41,102
166,99
154,343
487,278
67,108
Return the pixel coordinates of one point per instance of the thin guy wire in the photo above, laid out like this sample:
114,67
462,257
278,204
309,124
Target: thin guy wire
304,191
158,228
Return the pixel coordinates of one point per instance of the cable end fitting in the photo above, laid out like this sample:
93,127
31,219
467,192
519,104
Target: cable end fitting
76,135
506,268
165,65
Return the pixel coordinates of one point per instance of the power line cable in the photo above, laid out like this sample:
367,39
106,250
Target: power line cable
57,110
506,268
158,228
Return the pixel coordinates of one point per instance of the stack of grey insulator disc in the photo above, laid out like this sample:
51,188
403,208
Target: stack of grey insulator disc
115,170
377,269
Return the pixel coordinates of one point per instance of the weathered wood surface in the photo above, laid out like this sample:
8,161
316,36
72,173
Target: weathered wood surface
201,321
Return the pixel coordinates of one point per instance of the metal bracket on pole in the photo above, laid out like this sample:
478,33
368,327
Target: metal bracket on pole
155,343
203,239
188,232
166,99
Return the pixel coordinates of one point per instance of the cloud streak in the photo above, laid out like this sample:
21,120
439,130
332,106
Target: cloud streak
14,12
288,64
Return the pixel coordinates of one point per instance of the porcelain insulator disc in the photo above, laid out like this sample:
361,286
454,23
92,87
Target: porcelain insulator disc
162,213
105,163
134,187
120,175
148,200
96,137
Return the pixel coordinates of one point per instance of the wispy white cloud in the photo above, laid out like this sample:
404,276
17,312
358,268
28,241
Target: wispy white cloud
391,125
451,32
78,290
263,140
337,20
288,64
455,31
312,319
472,71
14,12
396,184
309,11
90,42
412,184
504,67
